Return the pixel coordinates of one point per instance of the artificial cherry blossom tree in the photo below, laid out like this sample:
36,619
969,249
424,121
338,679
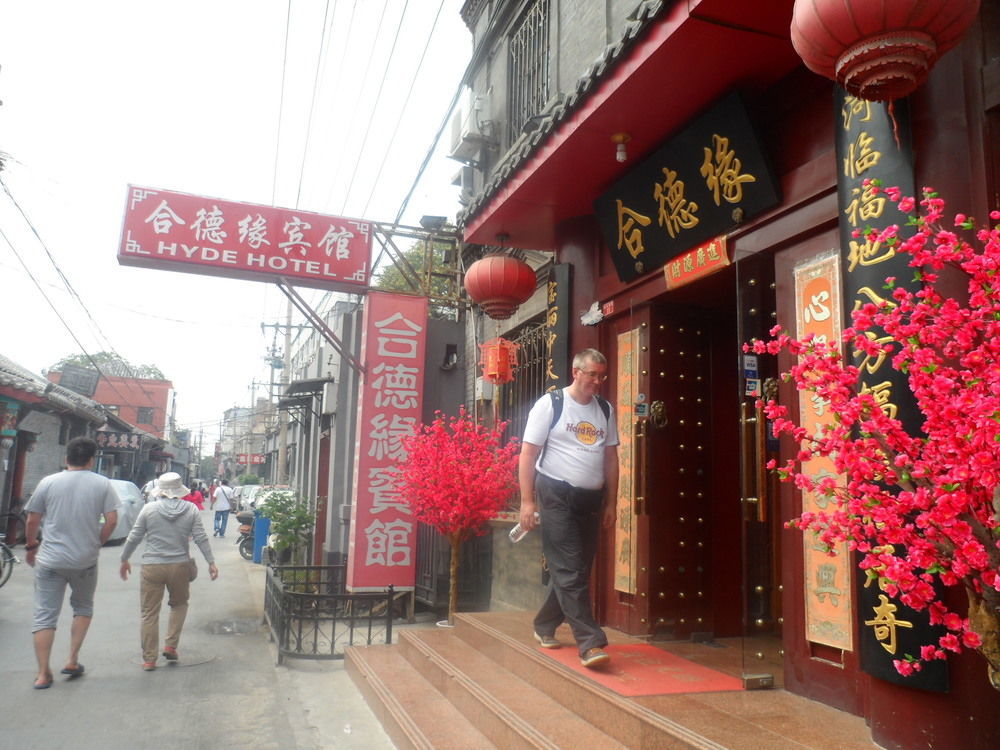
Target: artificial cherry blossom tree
456,476
920,508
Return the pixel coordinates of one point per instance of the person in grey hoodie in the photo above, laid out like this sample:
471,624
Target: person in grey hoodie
166,523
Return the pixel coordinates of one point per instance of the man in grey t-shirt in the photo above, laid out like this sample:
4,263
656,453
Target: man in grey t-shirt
68,507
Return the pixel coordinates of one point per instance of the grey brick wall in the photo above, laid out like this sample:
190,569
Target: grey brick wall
580,28
48,457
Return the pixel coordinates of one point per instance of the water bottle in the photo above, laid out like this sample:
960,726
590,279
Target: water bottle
517,533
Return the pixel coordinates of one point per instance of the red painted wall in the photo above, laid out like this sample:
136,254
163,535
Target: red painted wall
130,395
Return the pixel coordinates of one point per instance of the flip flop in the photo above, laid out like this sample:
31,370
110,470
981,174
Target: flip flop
43,685
73,672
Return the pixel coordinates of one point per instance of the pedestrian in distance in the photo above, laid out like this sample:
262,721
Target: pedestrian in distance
68,507
222,503
195,496
568,473
167,522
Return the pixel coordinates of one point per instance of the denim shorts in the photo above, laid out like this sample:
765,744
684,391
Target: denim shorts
50,588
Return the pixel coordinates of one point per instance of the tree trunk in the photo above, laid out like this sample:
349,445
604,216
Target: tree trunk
985,622
456,544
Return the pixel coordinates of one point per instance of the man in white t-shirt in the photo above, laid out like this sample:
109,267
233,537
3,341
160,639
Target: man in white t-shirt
221,502
68,507
568,472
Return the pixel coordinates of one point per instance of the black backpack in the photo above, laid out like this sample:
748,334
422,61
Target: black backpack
557,407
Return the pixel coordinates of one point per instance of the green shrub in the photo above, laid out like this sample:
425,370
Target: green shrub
291,521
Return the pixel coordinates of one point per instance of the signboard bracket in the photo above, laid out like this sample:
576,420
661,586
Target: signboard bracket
319,324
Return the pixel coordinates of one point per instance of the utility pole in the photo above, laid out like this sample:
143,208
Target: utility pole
281,473
283,421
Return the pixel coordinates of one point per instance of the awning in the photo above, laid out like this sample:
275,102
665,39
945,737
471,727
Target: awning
313,386
671,64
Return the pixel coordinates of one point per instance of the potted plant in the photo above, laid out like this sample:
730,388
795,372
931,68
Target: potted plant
291,521
457,475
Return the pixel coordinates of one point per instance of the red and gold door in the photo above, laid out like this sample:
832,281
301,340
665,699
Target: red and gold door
694,551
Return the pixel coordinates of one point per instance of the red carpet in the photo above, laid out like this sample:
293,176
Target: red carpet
646,670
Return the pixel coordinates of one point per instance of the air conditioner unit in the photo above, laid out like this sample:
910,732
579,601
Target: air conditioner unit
471,129
465,179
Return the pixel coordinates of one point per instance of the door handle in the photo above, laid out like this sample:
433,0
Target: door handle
753,424
638,468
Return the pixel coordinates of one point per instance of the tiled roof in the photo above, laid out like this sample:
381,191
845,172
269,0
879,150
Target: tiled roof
13,375
645,14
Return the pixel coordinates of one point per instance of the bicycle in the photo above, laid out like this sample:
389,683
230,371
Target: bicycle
7,557
7,560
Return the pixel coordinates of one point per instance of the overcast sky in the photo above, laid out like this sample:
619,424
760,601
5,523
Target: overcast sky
187,95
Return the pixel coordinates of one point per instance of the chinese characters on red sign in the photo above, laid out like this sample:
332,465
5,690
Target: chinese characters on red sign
696,263
382,546
180,232
249,459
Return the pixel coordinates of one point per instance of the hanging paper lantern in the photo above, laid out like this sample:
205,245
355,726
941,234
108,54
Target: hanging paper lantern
499,284
878,50
499,360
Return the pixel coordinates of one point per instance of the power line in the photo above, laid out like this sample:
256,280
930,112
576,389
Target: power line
57,314
364,80
378,98
402,111
281,107
73,292
312,104
430,152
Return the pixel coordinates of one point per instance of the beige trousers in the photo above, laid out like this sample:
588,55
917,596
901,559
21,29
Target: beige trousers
173,576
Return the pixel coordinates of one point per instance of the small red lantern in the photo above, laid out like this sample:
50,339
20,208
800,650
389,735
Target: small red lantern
878,50
499,283
499,360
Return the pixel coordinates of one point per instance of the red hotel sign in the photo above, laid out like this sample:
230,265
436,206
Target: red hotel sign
181,232
382,546
250,459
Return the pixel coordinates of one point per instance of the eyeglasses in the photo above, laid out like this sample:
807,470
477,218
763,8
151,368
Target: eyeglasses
600,377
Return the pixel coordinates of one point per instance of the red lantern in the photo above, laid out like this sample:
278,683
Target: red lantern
878,49
499,283
499,360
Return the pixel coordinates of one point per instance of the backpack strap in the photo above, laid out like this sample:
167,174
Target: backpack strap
556,397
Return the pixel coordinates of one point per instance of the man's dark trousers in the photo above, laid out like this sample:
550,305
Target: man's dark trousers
570,524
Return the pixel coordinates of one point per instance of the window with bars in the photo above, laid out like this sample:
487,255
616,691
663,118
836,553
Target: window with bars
528,71
516,398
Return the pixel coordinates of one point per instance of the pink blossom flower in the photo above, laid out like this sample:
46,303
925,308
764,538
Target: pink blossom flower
917,507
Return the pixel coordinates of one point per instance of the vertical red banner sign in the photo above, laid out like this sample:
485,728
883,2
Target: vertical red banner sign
382,545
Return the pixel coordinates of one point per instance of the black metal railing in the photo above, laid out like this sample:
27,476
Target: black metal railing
311,615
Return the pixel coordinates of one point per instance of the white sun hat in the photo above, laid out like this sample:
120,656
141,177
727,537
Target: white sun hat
170,485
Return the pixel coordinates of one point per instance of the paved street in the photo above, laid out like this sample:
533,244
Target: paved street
226,691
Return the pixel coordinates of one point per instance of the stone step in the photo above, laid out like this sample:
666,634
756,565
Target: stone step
413,713
628,723
508,711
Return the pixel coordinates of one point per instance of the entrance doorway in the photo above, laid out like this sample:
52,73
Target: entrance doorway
699,569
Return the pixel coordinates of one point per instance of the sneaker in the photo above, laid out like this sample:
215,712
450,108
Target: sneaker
592,657
149,666
170,653
547,641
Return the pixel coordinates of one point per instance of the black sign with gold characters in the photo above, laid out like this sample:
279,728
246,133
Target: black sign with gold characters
706,179
557,296
873,143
